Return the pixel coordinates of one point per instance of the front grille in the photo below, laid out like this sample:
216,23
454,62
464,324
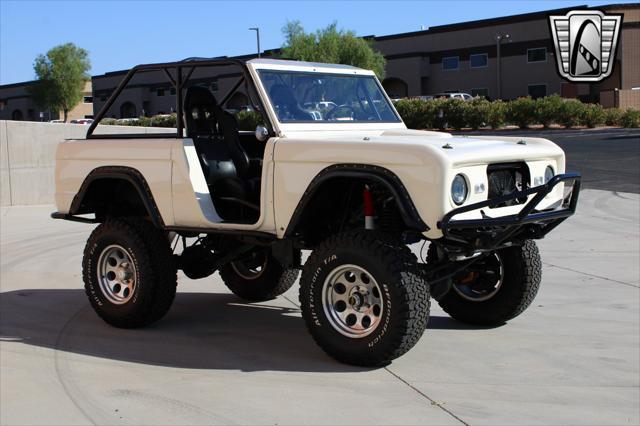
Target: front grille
505,178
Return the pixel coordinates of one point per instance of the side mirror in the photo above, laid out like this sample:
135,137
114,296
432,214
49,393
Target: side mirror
262,134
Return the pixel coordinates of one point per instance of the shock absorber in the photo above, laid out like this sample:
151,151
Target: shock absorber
369,210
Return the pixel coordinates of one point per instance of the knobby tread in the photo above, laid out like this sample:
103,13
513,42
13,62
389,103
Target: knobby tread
401,263
157,269
523,275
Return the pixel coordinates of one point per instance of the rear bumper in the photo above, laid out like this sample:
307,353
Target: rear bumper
490,233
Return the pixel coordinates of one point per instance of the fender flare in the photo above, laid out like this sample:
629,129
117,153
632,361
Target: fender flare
384,176
129,174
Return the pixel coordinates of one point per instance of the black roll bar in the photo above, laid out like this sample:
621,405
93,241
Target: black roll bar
179,82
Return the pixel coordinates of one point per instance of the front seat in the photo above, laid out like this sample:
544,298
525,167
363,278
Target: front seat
225,164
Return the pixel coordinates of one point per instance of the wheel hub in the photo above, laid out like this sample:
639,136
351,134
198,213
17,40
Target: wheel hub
352,301
482,283
116,274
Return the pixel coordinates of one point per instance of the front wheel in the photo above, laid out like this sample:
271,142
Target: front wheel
363,299
495,289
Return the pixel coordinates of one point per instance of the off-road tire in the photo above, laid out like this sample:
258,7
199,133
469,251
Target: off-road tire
156,277
522,276
405,294
273,281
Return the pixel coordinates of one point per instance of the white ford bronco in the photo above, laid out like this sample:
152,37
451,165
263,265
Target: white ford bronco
331,168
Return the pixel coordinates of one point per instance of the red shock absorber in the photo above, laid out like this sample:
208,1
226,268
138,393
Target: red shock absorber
369,209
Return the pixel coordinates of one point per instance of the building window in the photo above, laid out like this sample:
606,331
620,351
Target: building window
214,85
483,92
538,54
172,91
3,104
480,60
537,90
87,99
160,92
450,63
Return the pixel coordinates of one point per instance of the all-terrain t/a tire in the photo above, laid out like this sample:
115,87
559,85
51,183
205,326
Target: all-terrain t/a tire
259,276
363,299
128,271
490,301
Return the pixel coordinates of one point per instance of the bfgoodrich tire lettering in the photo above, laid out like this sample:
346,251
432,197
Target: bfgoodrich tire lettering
404,293
155,273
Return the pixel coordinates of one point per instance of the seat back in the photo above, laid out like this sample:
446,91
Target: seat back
228,126
215,135
200,113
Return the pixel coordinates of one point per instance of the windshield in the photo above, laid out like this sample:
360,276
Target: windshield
315,97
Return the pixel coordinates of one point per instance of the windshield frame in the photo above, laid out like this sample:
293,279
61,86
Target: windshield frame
282,128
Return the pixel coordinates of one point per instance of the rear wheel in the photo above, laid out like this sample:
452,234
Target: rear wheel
363,299
258,276
128,272
494,289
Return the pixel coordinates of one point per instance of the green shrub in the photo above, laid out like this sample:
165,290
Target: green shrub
109,121
572,113
454,113
436,110
547,109
630,118
477,112
412,112
496,114
593,115
248,120
612,116
521,112
163,120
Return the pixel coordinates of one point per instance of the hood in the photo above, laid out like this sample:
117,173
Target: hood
455,150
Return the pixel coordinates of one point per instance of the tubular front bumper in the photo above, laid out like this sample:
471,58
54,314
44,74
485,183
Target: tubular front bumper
489,233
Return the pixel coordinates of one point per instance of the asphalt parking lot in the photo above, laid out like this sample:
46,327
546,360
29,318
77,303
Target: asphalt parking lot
572,358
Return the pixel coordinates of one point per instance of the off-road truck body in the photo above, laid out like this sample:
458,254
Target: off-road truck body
331,168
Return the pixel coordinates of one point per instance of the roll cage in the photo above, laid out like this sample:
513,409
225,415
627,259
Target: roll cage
179,74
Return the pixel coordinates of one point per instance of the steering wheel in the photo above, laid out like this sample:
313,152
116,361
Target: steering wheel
333,111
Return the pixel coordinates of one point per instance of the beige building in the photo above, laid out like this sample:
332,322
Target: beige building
464,58
17,104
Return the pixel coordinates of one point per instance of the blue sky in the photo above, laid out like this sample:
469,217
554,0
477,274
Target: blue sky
121,34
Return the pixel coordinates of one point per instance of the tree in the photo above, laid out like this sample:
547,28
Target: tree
331,45
61,76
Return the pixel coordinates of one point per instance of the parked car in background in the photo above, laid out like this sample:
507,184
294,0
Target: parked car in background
82,121
463,96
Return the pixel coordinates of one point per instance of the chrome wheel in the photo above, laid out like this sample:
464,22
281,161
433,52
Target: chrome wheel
482,280
352,301
116,274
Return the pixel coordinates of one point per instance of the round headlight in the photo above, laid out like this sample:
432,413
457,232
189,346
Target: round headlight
459,189
548,174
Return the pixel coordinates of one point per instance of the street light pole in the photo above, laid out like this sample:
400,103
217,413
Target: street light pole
499,39
257,30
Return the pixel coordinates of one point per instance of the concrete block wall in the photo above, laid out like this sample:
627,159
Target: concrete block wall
27,157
